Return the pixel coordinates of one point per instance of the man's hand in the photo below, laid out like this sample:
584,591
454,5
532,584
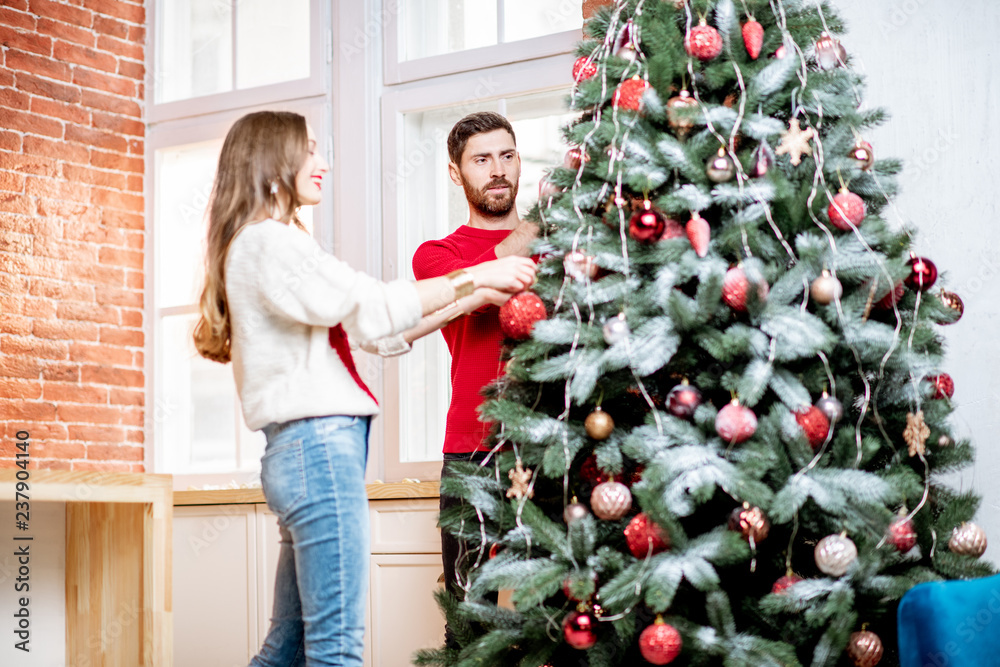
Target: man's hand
509,274
519,241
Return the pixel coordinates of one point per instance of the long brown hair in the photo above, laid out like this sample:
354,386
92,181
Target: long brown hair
260,158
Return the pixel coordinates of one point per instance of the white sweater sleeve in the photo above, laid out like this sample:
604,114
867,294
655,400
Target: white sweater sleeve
298,280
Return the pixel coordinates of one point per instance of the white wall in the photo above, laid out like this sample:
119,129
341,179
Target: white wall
929,62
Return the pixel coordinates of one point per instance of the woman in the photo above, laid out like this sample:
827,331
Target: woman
280,308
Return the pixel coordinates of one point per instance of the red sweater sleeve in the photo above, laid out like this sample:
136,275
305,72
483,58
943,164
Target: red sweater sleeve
438,258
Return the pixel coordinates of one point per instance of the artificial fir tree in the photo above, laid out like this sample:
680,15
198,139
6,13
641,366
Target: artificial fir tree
718,437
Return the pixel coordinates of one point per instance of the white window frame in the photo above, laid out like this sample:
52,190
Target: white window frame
491,84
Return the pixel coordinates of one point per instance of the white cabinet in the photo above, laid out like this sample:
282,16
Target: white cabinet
224,563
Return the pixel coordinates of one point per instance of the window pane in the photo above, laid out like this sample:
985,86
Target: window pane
184,177
272,44
195,49
433,27
524,19
196,414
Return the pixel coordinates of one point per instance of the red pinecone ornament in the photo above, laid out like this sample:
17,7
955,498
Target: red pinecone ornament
645,537
660,643
699,234
583,69
814,423
944,386
753,37
735,423
892,298
579,629
902,534
628,94
703,42
784,583
735,288
519,314
847,210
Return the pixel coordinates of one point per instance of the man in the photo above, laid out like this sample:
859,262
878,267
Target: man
485,163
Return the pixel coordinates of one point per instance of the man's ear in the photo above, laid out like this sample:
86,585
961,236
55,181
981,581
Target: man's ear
455,174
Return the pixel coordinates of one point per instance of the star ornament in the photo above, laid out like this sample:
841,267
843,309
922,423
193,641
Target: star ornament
795,142
916,433
520,477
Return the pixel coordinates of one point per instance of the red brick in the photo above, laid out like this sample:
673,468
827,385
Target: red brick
116,162
10,16
89,414
132,318
126,337
52,464
17,388
62,12
57,330
115,453
134,183
61,372
6,75
137,34
10,141
29,265
118,297
121,48
133,417
96,138
14,324
29,83
38,430
128,397
125,11
19,243
65,31
16,203
73,113
95,466
55,208
28,164
60,392
25,121
119,200
118,124
119,105
11,283
136,146
139,359
52,289
97,434
23,40
108,179
126,258
96,234
41,65
20,367
137,435
66,251
33,347
14,99
107,82
39,308
123,220
57,188
87,313
57,150
11,182
132,70
17,409
135,240
121,377
62,451
97,275
108,26
101,354
83,55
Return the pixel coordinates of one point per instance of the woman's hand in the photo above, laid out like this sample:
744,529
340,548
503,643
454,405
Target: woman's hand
492,296
510,274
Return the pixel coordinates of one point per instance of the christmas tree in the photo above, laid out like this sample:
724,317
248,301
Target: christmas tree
719,435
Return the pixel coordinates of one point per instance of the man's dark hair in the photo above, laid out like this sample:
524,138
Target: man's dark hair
473,124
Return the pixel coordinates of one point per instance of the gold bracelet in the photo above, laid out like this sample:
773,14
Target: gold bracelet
451,312
462,282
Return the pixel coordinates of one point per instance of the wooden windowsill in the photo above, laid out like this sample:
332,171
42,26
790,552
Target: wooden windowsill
393,491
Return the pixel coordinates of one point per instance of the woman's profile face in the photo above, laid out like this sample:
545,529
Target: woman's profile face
309,179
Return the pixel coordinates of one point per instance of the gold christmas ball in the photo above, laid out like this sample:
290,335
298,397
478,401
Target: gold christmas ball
865,649
599,424
826,289
863,154
681,123
968,540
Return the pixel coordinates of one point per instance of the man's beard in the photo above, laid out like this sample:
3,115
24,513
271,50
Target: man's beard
491,205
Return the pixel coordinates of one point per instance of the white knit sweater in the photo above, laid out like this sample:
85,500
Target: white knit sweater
284,294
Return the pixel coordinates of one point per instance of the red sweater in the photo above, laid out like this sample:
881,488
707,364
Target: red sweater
473,340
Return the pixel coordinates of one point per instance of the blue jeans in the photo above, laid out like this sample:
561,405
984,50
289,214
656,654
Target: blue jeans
313,474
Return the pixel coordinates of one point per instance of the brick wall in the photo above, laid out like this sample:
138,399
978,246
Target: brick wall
72,232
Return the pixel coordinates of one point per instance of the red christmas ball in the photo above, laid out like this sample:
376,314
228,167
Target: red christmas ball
865,649
672,230
902,534
923,274
892,298
519,314
645,537
735,288
846,210
580,630
590,473
750,522
575,157
660,643
784,583
736,423
954,303
703,42
753,38
814,423
583,69
944,386
628,94
683,400
647,224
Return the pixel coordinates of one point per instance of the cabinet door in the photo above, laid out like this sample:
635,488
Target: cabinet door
268,547
215,586
404,614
